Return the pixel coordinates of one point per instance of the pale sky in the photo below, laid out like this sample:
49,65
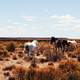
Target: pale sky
40,18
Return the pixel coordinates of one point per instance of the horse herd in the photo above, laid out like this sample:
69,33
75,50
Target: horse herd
64,45
31,47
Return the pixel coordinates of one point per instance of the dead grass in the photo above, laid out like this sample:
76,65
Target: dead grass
67,68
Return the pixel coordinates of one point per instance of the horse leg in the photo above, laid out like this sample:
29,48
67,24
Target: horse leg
63,49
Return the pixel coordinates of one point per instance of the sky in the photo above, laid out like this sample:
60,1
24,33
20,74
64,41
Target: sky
40,18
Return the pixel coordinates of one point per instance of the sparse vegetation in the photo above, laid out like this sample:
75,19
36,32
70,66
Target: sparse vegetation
56,65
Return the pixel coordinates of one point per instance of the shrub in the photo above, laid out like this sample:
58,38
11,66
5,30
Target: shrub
21,46
79,58
9,67
11,47
30,74
19,73
40,74
6,54
11,78
14,57
33,63
47,74
77,51
68,65
54,57
3,54
6,74
74,75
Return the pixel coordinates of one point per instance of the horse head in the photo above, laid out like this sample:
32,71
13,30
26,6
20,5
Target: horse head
53,39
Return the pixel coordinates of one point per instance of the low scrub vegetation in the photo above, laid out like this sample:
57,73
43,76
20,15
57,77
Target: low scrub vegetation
48,65
10,47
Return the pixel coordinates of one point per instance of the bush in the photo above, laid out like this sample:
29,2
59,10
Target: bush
77,52
54,57
79,58
30,74
6,54
68,65
19,73
74,75
11,47
21,46
3,54
33,63
47,74
11,78
8,67
40,74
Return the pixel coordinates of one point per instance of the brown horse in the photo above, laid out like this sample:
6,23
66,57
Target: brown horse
59,43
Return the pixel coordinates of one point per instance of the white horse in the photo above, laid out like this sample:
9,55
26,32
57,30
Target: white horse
31,47
73,42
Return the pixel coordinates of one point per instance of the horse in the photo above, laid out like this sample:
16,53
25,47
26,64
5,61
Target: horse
59,43
73,43
31,47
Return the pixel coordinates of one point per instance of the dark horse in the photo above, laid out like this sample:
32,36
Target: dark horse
59,43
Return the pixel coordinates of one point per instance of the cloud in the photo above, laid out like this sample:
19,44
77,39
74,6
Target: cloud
12,31
16,23
76,28
56,25
63,19
29,18
66,25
